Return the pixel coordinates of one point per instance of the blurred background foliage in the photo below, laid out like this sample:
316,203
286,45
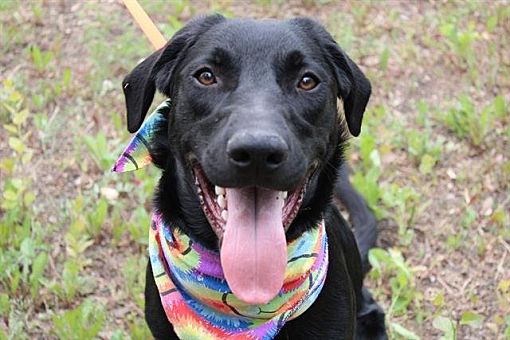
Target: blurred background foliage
432,161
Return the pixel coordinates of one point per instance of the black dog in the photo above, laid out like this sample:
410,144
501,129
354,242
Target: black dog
255,109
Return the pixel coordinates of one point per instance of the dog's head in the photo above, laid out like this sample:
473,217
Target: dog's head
254,126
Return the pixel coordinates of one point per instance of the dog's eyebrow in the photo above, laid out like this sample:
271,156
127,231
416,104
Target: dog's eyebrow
294,59
220,56
290,62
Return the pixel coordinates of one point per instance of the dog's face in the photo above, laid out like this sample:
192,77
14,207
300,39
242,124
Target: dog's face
254,125
263,114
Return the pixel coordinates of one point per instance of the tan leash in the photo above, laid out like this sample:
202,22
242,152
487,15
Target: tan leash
146,24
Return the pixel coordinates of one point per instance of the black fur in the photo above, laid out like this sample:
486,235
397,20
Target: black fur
257,104
362,220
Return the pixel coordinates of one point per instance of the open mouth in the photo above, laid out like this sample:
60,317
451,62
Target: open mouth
214,202
250,223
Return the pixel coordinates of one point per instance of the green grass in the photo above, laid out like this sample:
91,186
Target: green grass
468,119
432,161
82,323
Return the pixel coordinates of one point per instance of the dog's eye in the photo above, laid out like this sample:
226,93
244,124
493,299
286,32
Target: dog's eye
205,77
308,82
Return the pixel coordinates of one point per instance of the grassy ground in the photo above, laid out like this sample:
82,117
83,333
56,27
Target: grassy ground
433,161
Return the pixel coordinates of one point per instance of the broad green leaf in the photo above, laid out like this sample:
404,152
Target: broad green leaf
16,144
5,305
491,23
503,286
36,55
375,158
28,198
367,145
426,164
471,319
11,128
438,300
20,117
407,334
446,326
10,195
377,257
500,106
38,267
18,184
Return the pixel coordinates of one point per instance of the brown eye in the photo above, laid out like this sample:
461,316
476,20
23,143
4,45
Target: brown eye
205,77
308,82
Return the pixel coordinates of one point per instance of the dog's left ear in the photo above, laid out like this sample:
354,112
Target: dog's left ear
353,87
157,70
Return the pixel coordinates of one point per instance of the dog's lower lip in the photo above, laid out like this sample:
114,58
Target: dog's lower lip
214,203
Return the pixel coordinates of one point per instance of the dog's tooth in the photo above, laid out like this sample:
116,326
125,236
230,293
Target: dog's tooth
224,214
284,194
199,190
221,201
219,190
196,181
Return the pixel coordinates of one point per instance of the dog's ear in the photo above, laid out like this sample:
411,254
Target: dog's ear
139,89
353,87
156,71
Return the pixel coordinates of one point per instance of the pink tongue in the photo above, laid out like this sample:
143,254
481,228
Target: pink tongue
254,249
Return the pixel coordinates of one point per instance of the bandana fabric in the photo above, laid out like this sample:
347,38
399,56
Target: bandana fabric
198,301
136,155
190,280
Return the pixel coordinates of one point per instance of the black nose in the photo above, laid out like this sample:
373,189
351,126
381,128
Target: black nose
257,149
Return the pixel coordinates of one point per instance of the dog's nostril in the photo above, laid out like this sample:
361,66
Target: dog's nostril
241,157
275,158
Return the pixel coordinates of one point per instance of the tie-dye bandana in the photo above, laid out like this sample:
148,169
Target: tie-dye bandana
193,290
136,155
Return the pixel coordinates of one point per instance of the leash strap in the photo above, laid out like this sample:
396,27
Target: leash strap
146,24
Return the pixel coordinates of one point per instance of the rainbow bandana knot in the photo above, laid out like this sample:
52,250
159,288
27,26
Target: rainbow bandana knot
136,154
193,290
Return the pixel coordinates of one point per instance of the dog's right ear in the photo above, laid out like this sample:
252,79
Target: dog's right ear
139,89
352,86
156,71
